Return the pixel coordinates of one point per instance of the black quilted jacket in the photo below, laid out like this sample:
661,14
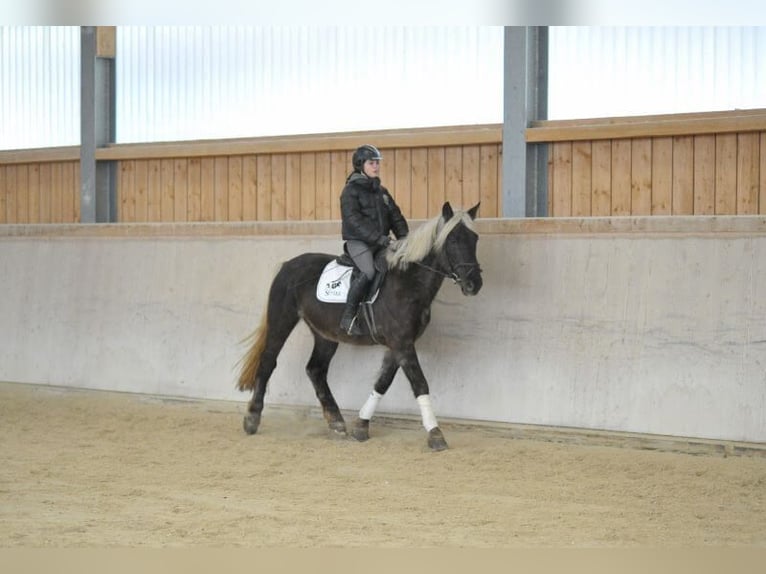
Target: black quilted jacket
368,210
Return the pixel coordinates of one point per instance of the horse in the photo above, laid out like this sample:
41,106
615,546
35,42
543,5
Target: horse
416,266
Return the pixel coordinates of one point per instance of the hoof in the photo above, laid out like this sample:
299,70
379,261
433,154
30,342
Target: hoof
250,423
436,440
361,430
338,428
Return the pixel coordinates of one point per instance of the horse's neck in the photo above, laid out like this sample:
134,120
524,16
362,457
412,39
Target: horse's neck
431,273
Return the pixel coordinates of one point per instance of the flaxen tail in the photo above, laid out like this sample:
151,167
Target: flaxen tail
252,358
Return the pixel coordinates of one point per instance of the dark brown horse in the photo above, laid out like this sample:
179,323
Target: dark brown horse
444,247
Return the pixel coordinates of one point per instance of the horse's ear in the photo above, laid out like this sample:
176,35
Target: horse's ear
447,212
474,210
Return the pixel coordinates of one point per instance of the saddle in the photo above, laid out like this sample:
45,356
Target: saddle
336,277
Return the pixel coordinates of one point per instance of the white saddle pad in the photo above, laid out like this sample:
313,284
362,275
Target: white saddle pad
333,283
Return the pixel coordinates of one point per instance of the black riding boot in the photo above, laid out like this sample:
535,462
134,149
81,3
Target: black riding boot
356,292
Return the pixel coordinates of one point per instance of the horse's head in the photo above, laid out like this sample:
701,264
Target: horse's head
459,248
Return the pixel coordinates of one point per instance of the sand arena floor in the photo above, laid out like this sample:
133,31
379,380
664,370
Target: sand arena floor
94,469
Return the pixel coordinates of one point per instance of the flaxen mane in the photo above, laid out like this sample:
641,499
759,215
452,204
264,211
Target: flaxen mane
429,236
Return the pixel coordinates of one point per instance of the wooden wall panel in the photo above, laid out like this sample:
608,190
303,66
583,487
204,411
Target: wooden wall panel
3,193
662,176
748,152
641,177
279,187
436,184
292,188
762,178
250,188
699,164
419,170
704,175
490,182
601,178
726,174
683,175
582,178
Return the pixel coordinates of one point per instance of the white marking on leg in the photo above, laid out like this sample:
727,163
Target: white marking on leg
427,412
368,409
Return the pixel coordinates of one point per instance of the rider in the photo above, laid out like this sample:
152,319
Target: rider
368,214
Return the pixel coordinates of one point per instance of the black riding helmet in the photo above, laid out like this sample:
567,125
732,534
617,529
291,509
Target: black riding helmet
362,154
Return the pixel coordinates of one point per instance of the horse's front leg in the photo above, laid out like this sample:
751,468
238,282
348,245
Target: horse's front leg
408,361
361,428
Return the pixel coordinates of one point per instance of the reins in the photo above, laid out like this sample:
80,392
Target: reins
454,276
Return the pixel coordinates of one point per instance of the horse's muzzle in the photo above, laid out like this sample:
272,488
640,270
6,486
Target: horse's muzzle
472,282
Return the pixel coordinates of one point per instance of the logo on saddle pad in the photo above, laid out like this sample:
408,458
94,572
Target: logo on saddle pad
334,282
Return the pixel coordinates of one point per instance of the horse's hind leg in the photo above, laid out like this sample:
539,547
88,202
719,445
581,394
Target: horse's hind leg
361,429
316,369
276,335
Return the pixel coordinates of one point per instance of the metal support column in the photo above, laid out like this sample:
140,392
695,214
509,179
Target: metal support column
525,166
97,123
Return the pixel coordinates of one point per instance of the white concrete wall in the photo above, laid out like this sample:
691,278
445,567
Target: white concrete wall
652,326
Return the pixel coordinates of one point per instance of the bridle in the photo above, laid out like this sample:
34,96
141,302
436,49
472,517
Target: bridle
453,275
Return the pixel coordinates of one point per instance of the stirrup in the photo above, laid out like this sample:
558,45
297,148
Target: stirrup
353,328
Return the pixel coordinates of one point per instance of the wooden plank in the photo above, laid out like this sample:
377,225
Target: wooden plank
387,167
265,187
748,153
642,127
683,175
293,187
141,183
167,190
662,176
126,202
436,189
57,193
207,189
489,164
308,186
154,190
762,193
221,189
235,189
726,174
106,41
419,179
704,175
561,202
601,178
45,193
582,179
339,170
621,182
641,177
3,193
323,194
33,187
250,188
453,176
499,181
278,186
385,139
71,193
180,189
22,193
194,184
76,188
11,194
41,155
471,174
